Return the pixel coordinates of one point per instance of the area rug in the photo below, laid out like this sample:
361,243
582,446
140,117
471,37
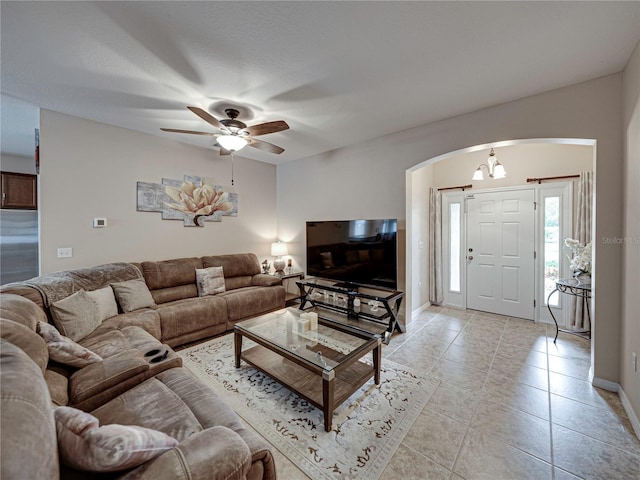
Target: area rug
367,428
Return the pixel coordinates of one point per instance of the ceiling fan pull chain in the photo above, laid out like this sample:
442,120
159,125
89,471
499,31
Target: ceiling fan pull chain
232,168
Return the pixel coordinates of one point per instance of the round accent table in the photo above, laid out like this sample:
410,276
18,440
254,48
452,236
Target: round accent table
577,288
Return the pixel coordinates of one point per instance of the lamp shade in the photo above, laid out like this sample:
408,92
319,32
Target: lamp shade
232,143
278,249
499,171
478,175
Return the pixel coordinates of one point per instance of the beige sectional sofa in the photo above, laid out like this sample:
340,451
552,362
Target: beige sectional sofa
139,380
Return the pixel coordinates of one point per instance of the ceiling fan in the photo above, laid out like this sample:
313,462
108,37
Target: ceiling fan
235,134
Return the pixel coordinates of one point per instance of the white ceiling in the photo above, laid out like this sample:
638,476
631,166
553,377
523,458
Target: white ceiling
337,72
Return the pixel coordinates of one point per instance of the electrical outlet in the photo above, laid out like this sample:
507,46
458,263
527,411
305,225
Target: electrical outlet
66,252
634,362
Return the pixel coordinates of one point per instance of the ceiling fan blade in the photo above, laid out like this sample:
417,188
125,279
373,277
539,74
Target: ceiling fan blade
266,146
192,132
269,127
206,116
223,151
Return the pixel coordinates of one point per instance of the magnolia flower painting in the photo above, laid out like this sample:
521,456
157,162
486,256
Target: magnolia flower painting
199,201
192,200
580,261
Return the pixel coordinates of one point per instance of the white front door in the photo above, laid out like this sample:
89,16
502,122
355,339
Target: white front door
500,253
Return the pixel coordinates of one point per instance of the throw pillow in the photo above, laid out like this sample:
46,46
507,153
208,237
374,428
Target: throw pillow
76,316
133,295
210,281
64,350
106,302
327,260
84,445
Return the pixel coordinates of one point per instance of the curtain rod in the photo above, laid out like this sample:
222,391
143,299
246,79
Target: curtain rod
463,187
540,180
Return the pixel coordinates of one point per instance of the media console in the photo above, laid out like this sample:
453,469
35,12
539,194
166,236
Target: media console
362,306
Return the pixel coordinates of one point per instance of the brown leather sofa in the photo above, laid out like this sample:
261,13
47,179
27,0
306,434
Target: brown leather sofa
117,389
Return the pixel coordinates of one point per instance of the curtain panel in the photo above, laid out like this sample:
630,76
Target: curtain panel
436,292
582,232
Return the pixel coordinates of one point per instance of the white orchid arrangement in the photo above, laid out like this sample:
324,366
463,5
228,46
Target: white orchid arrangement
581,259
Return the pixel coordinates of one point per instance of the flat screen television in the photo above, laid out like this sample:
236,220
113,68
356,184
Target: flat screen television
354,251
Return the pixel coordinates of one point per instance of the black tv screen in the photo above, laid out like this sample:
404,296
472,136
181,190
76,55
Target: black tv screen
354,251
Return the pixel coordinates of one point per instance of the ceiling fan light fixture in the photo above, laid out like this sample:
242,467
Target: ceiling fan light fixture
233,143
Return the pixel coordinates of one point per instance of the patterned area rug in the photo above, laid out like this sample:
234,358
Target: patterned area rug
367,428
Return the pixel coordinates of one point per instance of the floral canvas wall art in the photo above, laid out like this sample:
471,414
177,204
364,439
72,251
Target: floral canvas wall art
192,200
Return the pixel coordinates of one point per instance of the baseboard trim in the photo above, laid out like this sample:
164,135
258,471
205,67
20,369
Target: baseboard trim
421,308
605,384
633,418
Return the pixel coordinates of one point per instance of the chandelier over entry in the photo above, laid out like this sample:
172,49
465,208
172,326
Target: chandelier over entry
493,166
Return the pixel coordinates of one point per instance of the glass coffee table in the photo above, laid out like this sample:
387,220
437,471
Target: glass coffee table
321,362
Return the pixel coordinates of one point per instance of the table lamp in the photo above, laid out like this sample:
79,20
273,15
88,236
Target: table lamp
278,249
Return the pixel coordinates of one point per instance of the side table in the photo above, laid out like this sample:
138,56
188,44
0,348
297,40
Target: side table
572,286
292,296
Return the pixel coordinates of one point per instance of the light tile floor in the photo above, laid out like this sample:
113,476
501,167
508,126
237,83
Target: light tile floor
511,405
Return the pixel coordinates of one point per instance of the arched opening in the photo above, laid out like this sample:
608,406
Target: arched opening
460,168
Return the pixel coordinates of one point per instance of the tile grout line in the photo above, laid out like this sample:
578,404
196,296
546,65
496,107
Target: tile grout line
475,408
553,462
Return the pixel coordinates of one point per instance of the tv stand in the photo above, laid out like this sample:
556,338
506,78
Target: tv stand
363,307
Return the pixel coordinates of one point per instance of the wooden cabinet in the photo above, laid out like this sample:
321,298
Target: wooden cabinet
19,191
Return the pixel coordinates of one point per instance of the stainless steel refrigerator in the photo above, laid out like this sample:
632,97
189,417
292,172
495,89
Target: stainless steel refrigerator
18,245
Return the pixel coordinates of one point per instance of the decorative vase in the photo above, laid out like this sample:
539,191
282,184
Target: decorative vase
583,278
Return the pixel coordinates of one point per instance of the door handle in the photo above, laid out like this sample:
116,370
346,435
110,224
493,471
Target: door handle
470,257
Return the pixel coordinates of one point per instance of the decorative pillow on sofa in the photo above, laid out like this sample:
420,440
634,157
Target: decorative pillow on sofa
210,281
106,302
327,260
84,445
64,350
133,295
76,316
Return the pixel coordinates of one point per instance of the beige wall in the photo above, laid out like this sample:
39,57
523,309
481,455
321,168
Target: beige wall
17,164
368,180
418,186
89,169
630,246
520,162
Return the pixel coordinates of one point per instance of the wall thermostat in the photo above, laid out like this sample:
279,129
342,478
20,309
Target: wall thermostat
99,222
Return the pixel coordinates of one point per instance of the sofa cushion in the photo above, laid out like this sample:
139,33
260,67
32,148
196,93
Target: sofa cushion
145,318
106,302
98,377
146,405
58,385
171,294
21,310
26,339
133,295
251,301
64,350
84,445
28,434
236,265
210,281
190,315
171,273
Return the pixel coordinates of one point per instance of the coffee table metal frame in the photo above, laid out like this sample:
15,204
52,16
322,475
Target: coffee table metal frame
301,375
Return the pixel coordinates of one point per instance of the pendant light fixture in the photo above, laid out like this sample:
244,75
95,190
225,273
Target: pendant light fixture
493,166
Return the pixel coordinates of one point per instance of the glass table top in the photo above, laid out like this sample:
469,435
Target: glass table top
297,332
